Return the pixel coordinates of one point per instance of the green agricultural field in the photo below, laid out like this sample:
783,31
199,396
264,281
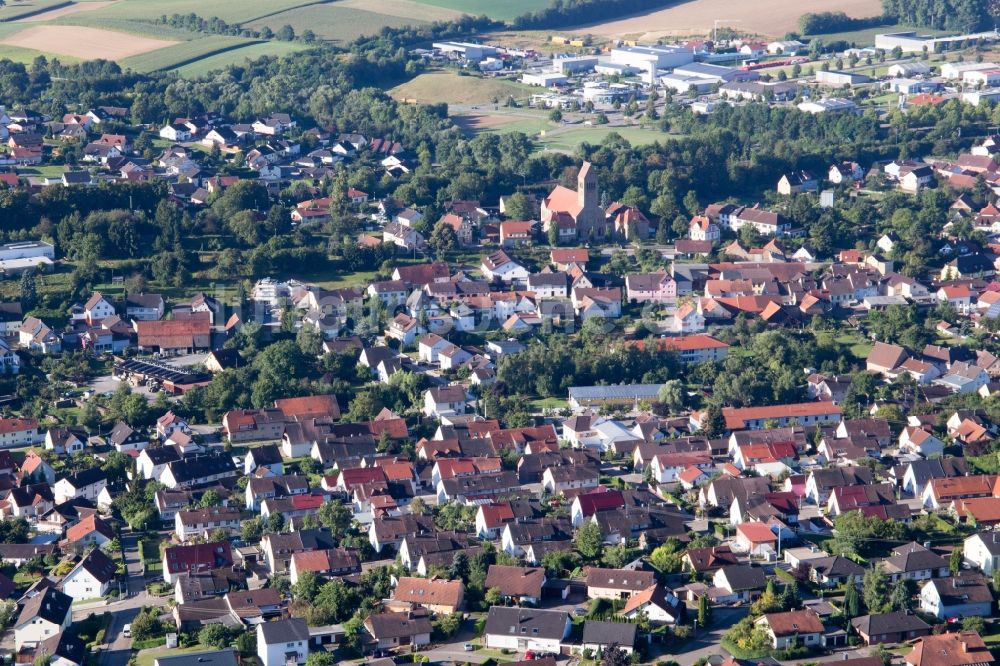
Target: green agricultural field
27,56
15,9
504,11
332,22
238,56
232,11
184,53
131,26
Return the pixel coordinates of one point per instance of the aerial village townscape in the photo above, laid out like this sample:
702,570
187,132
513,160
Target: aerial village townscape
556,332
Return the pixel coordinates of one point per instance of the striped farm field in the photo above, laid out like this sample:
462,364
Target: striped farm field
237,57
184,53
16,9
131,26
231,11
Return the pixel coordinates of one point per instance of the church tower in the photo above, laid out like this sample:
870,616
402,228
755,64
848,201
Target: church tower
586,186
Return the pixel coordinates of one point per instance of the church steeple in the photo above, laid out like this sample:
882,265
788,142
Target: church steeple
586,186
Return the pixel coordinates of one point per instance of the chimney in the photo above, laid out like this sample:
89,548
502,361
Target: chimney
965,646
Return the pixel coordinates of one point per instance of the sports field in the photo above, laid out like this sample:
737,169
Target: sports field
772,18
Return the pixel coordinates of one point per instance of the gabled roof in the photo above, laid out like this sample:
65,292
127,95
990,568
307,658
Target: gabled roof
98,565
429,592
50,605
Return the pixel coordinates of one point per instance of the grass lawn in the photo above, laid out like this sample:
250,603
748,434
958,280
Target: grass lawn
860,347
571,138
359,279
451,87
548,403
146,657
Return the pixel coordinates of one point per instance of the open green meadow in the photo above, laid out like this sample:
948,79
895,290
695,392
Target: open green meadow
184,53
237,56
332,22
504,11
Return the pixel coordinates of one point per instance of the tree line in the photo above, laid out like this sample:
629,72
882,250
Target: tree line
964,15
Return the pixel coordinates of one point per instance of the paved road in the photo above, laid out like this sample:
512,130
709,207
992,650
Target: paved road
117,649
707,644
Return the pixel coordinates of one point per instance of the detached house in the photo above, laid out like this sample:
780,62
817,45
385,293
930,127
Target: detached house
800,627
91,577
44,615
524,629
983,551
444,400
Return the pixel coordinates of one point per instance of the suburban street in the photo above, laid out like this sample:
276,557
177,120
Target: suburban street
117,649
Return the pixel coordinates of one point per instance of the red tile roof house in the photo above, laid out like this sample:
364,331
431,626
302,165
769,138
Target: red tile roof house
325,563
800,627
196,558
490,519
438,596
174,335
884,358
755,539
804,414
941,492
516,233
519,584
600,499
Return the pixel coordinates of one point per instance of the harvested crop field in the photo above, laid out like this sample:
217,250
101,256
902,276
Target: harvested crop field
86,43
69,10
772,18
